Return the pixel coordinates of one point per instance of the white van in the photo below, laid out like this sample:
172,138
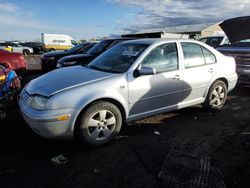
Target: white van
54,42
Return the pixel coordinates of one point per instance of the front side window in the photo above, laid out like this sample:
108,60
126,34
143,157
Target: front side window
119,58
100,47
193,55
74,42
162,58
76,48
86,48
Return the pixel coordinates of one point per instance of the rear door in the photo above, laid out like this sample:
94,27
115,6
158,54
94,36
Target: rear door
16,48
199,68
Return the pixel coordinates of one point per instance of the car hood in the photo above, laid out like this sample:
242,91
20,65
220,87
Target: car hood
65,78
56,54
237,29
77,57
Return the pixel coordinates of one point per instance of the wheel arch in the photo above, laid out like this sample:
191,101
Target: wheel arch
117,103
218,79
26,50
222,79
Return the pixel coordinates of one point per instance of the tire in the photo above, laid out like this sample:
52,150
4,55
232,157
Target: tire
99,124
26,52
216,97
3,112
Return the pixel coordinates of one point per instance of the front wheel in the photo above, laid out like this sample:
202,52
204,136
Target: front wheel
100,123
217,96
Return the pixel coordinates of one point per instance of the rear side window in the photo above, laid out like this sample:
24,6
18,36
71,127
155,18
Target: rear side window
193,55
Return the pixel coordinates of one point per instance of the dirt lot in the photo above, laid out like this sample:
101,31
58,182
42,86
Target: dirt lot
136,156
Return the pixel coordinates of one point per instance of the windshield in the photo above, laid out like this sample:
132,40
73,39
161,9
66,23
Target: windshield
119,58
212,41
77,47
99,47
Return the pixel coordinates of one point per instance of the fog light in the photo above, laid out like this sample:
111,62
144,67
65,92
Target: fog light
63,117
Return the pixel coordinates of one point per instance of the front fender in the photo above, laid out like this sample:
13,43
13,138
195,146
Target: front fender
116,96
87,100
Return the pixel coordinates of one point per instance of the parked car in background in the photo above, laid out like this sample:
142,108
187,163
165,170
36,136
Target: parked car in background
14,61
55,42
215,41
37,47
9,88
238,32
18,48
133,80
49,60
89,55
8,48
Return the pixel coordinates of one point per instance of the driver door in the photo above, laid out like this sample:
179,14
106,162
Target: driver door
150,94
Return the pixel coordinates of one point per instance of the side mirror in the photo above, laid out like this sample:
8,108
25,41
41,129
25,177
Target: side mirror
146,71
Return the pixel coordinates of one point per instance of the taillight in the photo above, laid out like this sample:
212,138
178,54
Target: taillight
2,78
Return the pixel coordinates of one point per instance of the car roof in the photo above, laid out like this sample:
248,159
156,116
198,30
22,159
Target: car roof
157,40
214,36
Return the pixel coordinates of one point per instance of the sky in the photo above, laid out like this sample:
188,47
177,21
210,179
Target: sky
25,20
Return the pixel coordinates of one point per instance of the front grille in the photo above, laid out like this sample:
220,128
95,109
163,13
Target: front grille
244,78
240,58
25,97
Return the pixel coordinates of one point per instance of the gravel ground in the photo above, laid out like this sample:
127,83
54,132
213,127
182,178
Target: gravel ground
136,156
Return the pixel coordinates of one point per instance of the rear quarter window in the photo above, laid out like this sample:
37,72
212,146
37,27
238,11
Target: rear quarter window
209,56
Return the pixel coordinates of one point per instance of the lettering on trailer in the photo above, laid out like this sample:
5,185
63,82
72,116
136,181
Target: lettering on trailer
59,41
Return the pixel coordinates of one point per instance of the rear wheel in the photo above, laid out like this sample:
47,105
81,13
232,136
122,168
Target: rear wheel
217,96
100,123
26,52
52,50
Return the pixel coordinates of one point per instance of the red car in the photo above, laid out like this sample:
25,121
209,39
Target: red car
14,61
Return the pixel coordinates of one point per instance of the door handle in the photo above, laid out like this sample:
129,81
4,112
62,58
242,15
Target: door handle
210,70
176,77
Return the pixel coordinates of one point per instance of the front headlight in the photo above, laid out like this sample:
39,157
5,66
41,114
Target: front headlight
39,102
45,57
51,58
58,65
69,63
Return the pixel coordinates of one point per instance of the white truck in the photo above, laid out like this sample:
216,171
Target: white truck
55,42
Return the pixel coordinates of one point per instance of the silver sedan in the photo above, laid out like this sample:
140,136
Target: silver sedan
133,80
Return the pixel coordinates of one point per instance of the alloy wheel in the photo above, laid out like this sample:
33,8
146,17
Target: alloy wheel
218,96
101,125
